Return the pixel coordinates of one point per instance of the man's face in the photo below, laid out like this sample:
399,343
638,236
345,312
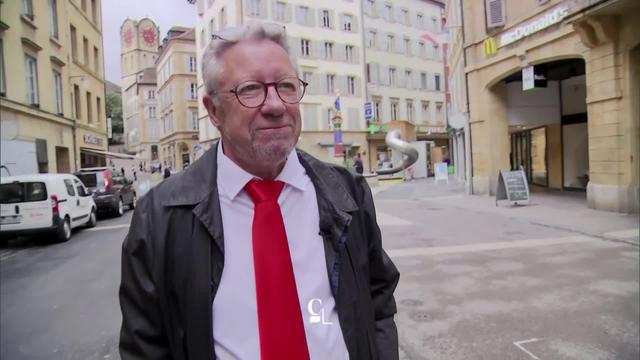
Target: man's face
255,137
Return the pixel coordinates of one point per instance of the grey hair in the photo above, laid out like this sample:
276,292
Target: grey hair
212,68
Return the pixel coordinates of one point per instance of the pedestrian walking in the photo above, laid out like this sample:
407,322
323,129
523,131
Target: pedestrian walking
358,165
167,172
305,275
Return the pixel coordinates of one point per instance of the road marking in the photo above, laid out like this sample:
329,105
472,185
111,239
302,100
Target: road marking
519,345
97,228
624,234
438,250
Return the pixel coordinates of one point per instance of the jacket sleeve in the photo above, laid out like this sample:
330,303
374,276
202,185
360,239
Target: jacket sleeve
384,277
142,335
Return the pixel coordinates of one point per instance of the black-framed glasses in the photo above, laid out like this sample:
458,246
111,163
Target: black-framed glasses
253,93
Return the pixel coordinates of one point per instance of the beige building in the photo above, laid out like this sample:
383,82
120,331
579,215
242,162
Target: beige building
575,127
177,93
327,39
405,74
142,129
52,96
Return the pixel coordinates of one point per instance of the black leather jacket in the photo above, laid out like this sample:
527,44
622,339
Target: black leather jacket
173,256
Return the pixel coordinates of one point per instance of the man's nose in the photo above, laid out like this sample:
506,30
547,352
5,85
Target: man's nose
272,103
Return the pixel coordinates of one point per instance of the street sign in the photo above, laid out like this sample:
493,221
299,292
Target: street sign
512,186
368,111
528,79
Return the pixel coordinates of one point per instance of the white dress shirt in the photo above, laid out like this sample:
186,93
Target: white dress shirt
235,314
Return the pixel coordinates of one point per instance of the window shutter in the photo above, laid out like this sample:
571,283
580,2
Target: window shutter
358,86
340,52
375,73
353,119
495,12
354,24
356,55
311,18
287,13
263,9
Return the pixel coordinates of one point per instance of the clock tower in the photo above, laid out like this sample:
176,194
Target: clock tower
139,43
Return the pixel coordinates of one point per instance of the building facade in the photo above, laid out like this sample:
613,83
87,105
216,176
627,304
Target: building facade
52,92
553,90
327,40
139,44
177,93
405,74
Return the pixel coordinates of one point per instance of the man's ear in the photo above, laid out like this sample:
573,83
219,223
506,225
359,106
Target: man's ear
213,110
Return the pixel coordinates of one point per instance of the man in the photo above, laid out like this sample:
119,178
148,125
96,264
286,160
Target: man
358,165
257,250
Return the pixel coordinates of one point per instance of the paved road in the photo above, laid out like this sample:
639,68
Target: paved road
60,301
549,281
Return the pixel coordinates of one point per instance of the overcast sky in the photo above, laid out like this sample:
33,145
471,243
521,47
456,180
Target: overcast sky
165,13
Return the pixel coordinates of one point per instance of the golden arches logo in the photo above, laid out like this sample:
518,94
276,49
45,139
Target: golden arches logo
489,46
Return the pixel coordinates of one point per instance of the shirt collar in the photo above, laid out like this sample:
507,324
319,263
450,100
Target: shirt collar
232,178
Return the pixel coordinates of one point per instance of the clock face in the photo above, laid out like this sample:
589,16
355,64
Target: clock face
149,36
128,37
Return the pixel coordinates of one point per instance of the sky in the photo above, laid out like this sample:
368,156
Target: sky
165,13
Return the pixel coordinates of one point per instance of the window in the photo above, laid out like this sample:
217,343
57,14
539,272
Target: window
371,8
151,95
69,186
392,76
152,112
328,50
351,85
405,17
377,107
76,100
407,47
303,15
349,53
425,111
212,28
423,81
81,189
74,43
421,49
94,11
439,111
388,12
57,83
409,111
305,47
390,40
89,113
495,13
3,85
347,21
326,20
437,82
394,109
27,8
223,19
280,11
53,18
434,25
193,120
85,49
407,79
192,64
96,60
254,8
192,91
330,83
31,65
306,77
371,39
98,109
83,5
420,21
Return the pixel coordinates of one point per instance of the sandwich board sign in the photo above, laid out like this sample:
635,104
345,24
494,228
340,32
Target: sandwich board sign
441,171
512,186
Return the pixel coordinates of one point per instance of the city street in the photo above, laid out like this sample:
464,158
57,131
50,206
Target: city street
544,281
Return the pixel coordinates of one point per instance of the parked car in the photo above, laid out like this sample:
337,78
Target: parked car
44,203
111,190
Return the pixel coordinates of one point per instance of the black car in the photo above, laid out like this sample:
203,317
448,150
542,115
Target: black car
111,190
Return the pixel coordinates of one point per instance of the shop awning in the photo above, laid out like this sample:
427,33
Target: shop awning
108,154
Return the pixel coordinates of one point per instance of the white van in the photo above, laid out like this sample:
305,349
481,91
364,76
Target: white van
44,203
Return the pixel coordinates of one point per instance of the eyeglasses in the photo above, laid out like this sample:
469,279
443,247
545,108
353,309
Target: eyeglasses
253,93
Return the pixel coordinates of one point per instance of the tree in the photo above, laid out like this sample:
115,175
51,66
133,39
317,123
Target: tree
114,111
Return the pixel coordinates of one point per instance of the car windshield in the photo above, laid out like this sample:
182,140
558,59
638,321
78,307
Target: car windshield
18,192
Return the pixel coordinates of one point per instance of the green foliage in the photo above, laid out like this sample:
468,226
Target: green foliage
114,111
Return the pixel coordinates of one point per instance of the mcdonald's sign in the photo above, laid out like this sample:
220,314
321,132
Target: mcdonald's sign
489,46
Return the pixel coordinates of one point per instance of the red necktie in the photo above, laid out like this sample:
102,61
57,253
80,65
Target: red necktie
279,316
